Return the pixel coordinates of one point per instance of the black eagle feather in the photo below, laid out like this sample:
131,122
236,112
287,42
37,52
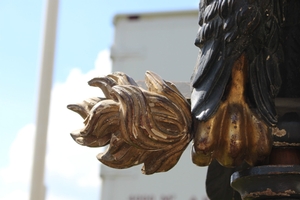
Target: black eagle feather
229,28
268,33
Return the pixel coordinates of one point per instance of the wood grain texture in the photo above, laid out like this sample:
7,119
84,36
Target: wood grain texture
150,126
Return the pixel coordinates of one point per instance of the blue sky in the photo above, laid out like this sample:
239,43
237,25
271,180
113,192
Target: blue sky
84,29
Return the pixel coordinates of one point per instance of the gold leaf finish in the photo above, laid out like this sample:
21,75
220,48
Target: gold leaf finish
235,132
139,126
154,126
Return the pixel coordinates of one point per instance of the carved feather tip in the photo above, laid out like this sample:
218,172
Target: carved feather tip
78,109
76,137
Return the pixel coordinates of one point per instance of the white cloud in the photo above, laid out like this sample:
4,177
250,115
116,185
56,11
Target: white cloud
65,156
69,166
103,63
17,194
54,197
20,156
89,180
14,179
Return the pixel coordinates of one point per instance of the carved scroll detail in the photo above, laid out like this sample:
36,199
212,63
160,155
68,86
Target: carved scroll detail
139,126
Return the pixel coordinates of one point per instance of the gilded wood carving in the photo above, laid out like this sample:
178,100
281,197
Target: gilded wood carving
236,80
245,61
140,126
264,36
235,132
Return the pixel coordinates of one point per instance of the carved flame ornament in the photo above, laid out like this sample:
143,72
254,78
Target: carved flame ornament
139,126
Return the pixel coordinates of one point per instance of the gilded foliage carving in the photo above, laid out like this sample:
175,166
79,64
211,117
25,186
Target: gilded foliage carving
150,126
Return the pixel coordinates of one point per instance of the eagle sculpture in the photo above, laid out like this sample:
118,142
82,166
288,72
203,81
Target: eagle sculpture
249,54
238,65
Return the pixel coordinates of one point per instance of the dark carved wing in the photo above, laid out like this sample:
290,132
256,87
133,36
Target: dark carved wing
290,69
229,28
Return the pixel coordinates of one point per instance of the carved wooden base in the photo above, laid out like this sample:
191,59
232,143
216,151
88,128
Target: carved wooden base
268,182
281,178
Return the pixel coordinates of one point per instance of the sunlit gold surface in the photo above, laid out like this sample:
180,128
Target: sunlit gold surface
139,126
234,133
